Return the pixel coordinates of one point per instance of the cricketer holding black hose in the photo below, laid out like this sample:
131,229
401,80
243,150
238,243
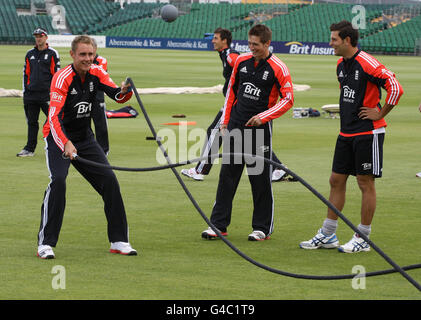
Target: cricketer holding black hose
67,133
260,90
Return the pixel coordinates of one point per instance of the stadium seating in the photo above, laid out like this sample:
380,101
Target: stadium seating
82,15
16,28
289,21
311,23
401,38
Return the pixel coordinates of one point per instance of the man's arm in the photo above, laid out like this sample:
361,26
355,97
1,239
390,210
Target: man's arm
58,95
70,150
373,113
379,75
231,58
26,72
119,94
55,62
283,105
231,96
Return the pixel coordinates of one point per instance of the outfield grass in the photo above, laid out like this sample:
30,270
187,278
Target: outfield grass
173,261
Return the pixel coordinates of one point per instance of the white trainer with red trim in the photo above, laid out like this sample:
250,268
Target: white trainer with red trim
191,173
122,248
45,252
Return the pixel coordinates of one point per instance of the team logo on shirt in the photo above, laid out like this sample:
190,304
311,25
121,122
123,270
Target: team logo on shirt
265,75
83,109
357,74
349,94
251,91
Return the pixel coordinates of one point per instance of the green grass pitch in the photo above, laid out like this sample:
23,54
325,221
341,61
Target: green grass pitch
173,261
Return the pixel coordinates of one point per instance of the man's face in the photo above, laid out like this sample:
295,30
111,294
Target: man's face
337,43
40,40
218,43
258,49
83,57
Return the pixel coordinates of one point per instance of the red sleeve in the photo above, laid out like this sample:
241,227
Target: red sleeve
275,110
58,93
231,96
107,85
103,62
380,76
27,72
232,57
55,61
53,67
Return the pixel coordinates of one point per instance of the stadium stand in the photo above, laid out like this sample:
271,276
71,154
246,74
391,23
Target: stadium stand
401,38
82,16
389,27
16,28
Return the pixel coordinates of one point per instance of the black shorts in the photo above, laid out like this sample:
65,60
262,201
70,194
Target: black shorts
359,155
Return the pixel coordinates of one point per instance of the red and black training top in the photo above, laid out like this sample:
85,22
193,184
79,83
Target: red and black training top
255,90
38,70
228,57
71,102
101,61
361,79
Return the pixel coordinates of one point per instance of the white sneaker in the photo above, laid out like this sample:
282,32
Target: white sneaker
321,241
257,235
278,174
191,173
209,234
45,252
122,248
25,153
418,175
356,244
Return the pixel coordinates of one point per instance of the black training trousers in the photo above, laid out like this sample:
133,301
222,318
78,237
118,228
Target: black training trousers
247,140
103,180
213,144
99,118
32,110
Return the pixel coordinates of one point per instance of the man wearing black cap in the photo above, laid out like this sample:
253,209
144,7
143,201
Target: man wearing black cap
41,63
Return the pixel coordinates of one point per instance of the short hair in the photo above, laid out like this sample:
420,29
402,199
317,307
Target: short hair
81,39
94,43
225,34
346,29
261,31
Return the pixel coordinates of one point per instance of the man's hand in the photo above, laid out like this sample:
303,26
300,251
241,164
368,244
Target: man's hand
125,87
373,113
254,122
69,150
223,128
369,113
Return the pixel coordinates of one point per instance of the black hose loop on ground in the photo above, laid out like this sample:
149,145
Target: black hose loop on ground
260,265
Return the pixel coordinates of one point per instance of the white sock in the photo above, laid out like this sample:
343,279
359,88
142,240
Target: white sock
365,230
329,226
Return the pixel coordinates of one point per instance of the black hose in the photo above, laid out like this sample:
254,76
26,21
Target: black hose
396,267
275,164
